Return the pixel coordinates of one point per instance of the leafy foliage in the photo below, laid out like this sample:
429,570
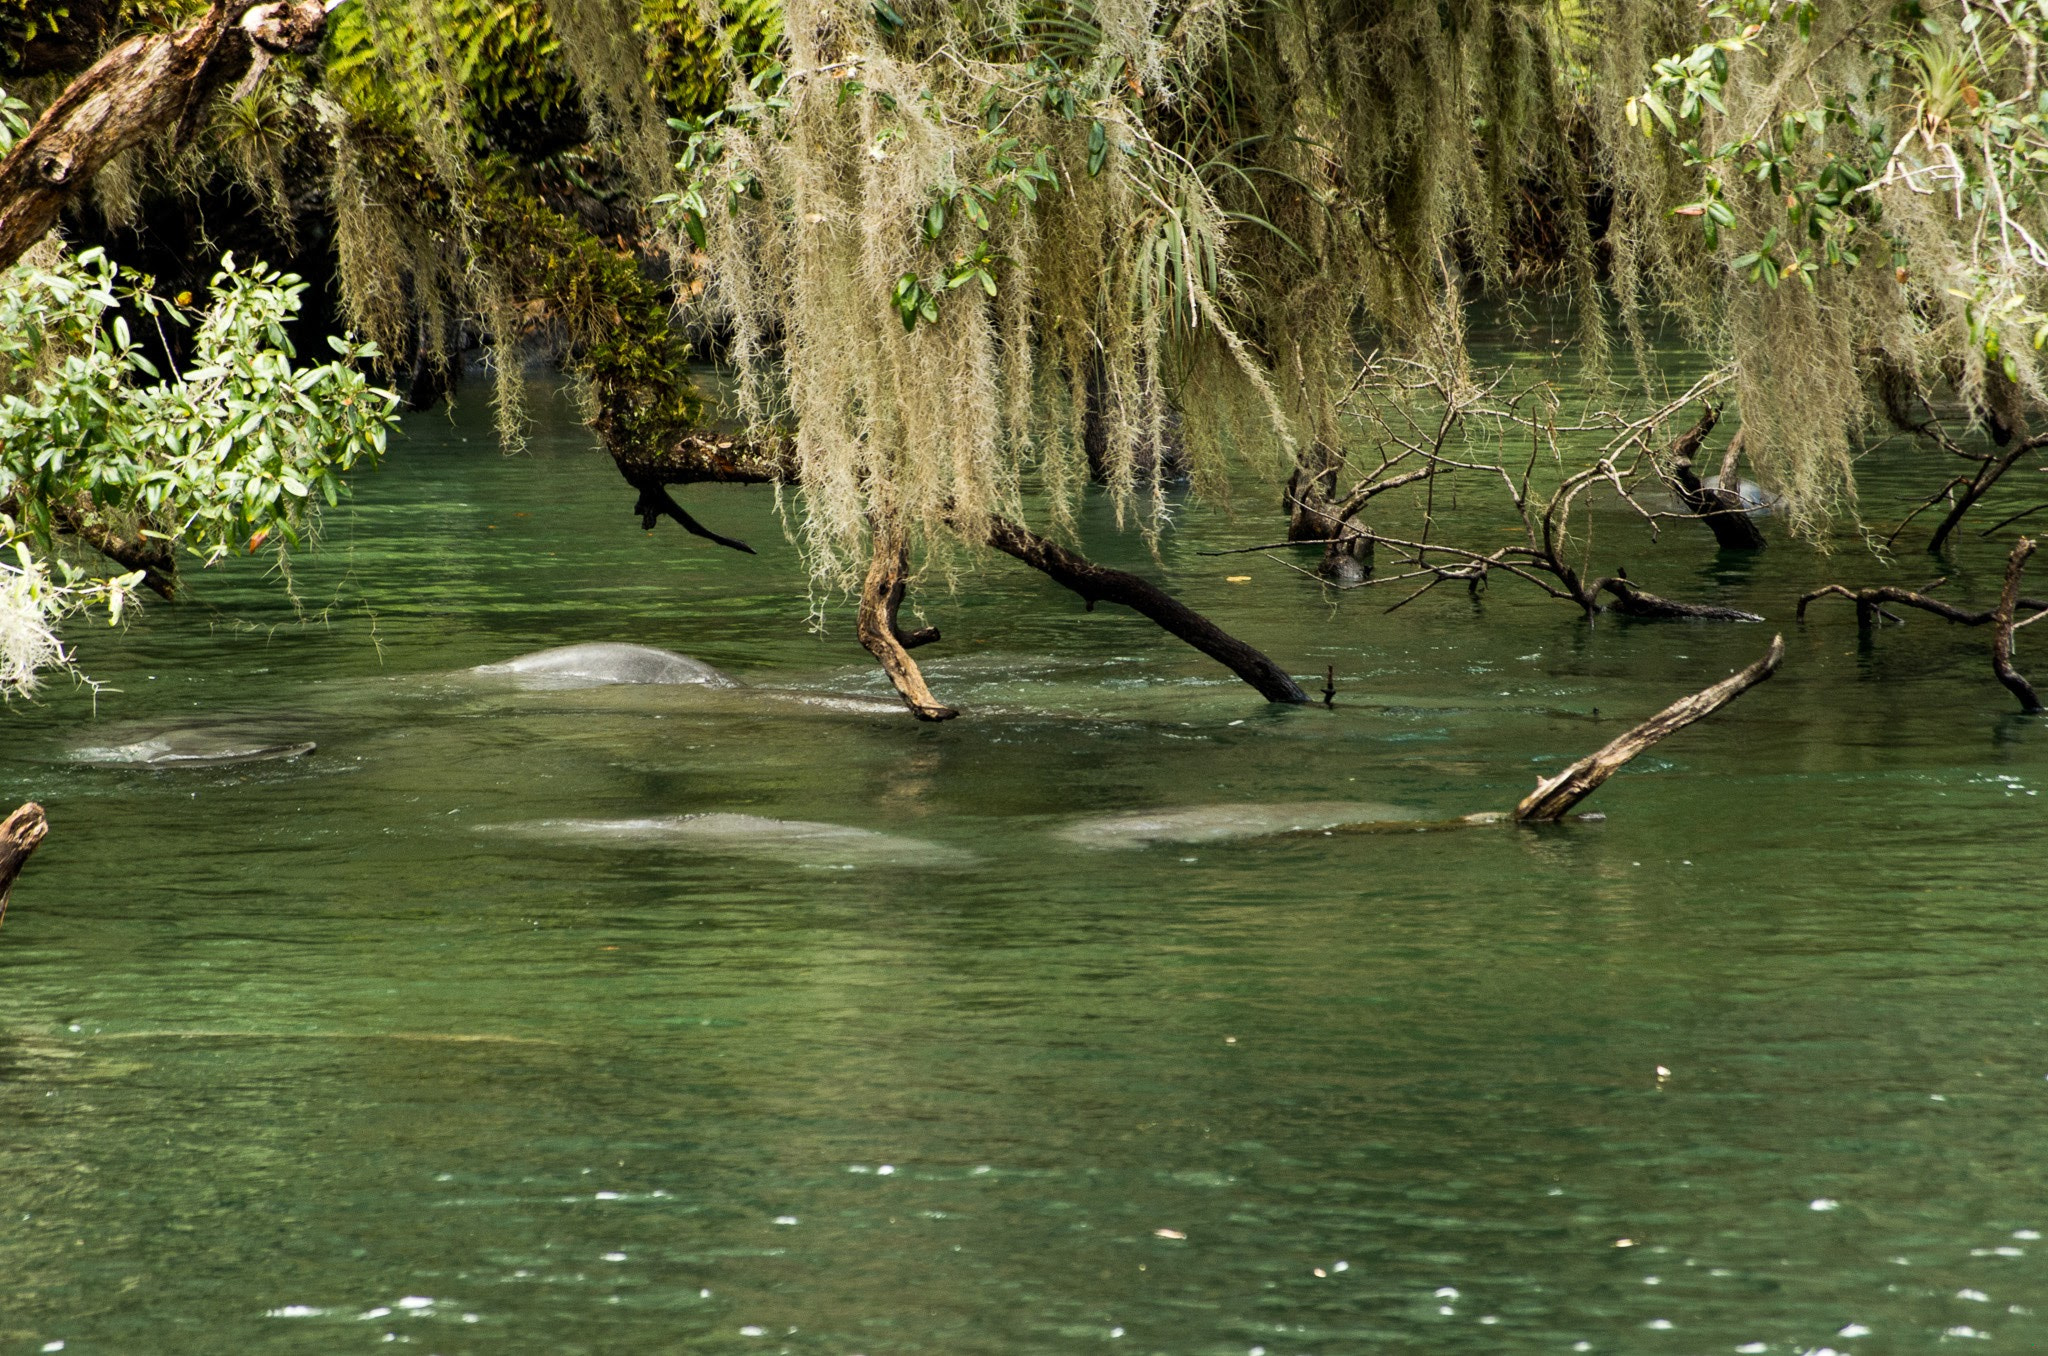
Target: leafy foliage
238,449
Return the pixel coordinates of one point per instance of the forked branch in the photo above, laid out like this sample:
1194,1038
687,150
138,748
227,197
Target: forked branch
880,596
2001,640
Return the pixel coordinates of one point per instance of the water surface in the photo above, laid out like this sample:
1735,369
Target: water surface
325,1054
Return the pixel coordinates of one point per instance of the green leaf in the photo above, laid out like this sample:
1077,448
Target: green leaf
1098,148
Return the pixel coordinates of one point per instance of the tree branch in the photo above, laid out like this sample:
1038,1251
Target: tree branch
655,503
19,834
880,596
2001,641
149,85
1554,797
1098,583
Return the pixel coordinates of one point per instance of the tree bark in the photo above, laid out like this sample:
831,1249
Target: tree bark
1098,583
2001,642
1311,514
150,85
880,596
1554,797
19,834
1720,508
1869,604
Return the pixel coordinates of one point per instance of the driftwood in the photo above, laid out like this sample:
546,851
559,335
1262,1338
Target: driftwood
2001,640
1554,797
1098,583
19,834
151,85
1870,604
1630,601
880,596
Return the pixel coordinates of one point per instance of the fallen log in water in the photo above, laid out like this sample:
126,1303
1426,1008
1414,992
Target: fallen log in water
1098,583
1554,797
19,834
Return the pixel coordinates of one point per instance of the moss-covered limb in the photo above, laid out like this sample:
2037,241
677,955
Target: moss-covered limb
149,86
698,458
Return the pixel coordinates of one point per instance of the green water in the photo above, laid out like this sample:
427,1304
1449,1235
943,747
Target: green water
303,1057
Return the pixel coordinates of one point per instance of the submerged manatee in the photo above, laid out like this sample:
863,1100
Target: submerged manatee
1223,823
603,663
799,840
194,747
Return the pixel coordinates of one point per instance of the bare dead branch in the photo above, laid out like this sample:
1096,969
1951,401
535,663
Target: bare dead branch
2001,638
1098,583
1554,797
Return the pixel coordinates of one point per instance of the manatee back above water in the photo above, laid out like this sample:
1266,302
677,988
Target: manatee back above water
607,662
196,747
799,840
1224,823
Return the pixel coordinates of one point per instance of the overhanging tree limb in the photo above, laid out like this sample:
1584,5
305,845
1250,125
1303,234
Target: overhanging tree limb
150,85
2001,642
1098,583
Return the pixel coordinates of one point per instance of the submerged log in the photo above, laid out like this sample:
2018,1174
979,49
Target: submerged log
149,86
2001,641
19,834
1630,601
1554,797
1098,583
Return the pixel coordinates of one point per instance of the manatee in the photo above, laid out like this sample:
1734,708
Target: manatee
604,663
1756,500
1224,823
193,747
800,840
